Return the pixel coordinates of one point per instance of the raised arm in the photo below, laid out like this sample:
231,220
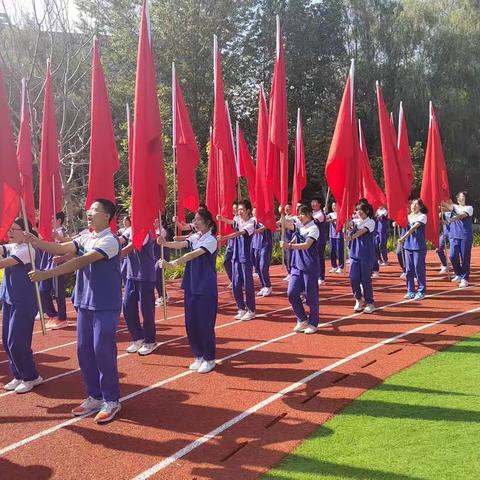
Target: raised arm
50,247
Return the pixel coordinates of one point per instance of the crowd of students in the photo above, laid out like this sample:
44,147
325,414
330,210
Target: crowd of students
105,261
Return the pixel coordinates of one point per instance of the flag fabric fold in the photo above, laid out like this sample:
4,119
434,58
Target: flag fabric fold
246,165
404,149
149,188
104,161
435,188
299,172
24,156
10,183
50,198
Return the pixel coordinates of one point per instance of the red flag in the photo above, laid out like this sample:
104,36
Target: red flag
396,183
300,172
245,162
222,140
24,156
404,150
263,192
149,189
103,149
187,155
435,179
277,149
343,163
369,188
212,197
50,199
130,142
10,184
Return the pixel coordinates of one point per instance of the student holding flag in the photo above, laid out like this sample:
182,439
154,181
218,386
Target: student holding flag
321,221
262,246
337,243
443,239
381,229
228,257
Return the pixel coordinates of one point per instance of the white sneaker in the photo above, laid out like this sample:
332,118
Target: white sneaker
255,275
375,274
196,364
320,282
332,270
230,286
206,366
370,308
339,270
12,385
311,329
443,269
403,276
456,278
147,348
249,315
287,278
135,346
87,406
267,291
384,264
240,314
300,327
108,412
260,292
359,305
159,302
26,385
463,283
37,317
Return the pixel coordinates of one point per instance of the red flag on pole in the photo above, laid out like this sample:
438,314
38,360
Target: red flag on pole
149,189
223,140
130,142
369,188
10,184
396,185
103,149
212,197
435,189
24,156
404,150
187,155
50,199
300,172
343,163
277,149
263,192
245,162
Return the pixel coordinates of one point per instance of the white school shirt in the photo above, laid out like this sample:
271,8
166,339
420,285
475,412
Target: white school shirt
414,218
103,242
127,235
245,225
319,216
206,242
382,212
18,251
458,209
368,223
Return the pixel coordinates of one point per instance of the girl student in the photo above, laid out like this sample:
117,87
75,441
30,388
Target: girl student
157,253
337,243
399,250
321,221
381,230
19,310
304,272
460,237
443,239
262,246
362,257
200,287
415,248
242,269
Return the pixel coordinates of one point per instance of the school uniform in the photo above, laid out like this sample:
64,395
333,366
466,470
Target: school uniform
304,273
228,257
262,245
362,257
321,221
157,253
53,287
382,233
199,284
443,239
415,248
399,251
287,255
461,240
242,268
139,290
17,293
98,300
337,243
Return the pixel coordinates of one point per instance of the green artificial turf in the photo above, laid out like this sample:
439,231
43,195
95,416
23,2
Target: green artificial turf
422,423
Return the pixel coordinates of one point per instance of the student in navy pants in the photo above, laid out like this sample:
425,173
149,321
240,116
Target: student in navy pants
127,223
337,243
304,269
362,256
228,257
19,309
139,294
157,253
321,220
242,268
382,234
442,240
461,238
98,301
262,245
200,287
415,248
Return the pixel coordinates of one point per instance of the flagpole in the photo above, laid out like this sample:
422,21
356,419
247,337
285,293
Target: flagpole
162,256
174,144
54,221
237,162
327,198
32,261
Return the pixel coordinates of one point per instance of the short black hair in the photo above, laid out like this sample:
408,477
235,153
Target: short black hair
60,216
423,208
19,221
108,207
246,203
207,217
318,199
465,194
305,210
365,207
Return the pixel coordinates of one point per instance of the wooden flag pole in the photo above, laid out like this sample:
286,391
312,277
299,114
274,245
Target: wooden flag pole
32,261
54,225
162,256
174,151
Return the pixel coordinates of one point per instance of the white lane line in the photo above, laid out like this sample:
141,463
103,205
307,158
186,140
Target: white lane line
255,408
136,393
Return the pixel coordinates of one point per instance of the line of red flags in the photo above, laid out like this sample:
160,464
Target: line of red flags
245,164
299,169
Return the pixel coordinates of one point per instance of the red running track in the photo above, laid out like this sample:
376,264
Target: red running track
271,389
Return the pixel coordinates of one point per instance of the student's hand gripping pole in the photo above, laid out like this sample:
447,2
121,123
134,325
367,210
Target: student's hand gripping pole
32,261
